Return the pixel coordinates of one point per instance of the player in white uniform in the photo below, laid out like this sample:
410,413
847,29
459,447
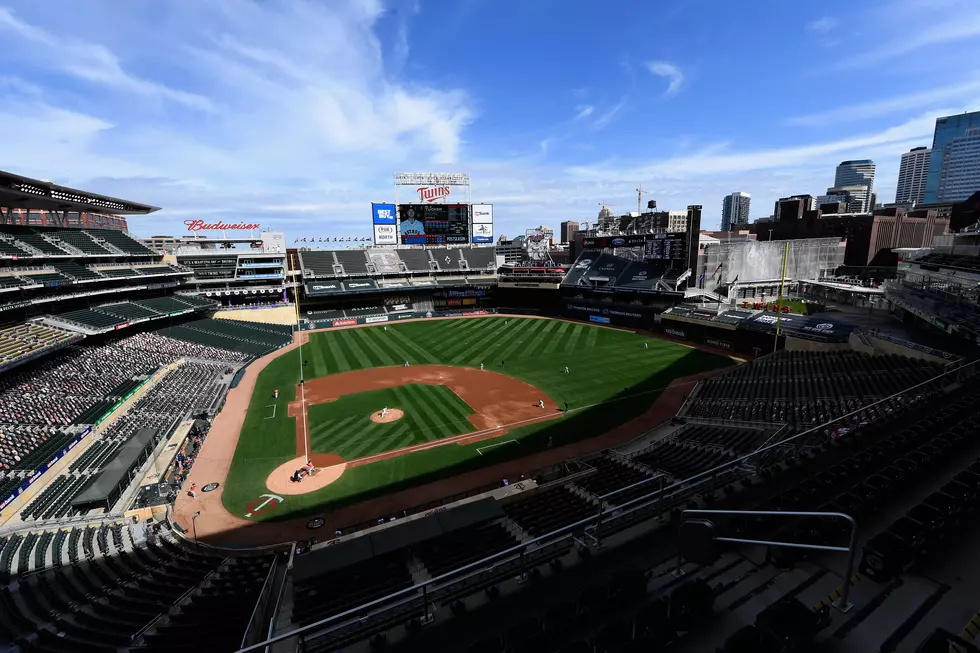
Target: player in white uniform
566,369
540,403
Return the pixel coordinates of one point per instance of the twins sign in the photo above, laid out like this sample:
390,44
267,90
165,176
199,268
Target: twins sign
384,219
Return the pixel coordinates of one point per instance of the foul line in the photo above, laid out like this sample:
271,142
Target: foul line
273,415
479,450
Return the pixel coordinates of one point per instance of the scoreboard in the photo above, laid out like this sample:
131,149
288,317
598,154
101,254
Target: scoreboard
433,224
667,247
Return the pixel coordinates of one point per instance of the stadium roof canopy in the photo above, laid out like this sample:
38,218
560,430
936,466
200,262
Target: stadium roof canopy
18,192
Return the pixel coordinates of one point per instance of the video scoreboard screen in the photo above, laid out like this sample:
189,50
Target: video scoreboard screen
433,224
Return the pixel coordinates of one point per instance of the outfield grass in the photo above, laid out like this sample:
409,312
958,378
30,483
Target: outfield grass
343,426
612,379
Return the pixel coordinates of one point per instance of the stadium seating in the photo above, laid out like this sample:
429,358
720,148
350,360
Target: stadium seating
354,261
9,248
92,319
78,239
548,510
416,260
45,277
463,546
127,311
385,261
805,387
117,273
199,302
320,264
155,269
246,337
23,340
38,242
480,258
11,281
165,305
113,593
76,271
123,241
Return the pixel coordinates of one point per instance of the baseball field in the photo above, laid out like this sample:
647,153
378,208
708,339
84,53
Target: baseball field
445,415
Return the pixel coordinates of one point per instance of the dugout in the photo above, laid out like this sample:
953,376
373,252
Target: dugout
399,535
109,485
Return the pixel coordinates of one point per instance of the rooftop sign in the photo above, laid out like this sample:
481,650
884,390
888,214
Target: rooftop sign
201,225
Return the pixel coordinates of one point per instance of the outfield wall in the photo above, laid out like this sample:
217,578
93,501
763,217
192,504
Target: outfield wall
383,319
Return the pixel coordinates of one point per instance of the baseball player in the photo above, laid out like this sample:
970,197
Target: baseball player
384,412
406,364
275,393
386,329
566,369
481,367
646,345
540,403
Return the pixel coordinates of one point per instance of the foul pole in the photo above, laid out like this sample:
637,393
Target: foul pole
779,301
299,336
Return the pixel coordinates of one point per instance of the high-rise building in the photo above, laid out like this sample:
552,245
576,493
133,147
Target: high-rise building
954,164
912,173
676,221
792,208
735,209
852,199
568,230
857,173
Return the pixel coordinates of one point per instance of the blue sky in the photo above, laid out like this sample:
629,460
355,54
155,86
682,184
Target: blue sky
295,114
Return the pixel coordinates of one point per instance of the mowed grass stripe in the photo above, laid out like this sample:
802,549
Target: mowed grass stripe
336,351
370,342
478,350
541,339
422,354
441,401
591,336
386,342
576,335
557,340
426,404
330,430
320,365
376,439
349,340
520,341
455,348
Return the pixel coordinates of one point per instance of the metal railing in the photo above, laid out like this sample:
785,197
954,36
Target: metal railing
135,637
255,622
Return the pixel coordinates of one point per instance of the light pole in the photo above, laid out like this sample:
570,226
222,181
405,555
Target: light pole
194,526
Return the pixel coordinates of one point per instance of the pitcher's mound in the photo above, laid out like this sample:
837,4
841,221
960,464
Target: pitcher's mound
330,467
393,415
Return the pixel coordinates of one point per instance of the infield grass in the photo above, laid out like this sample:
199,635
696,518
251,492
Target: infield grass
612,379
344,427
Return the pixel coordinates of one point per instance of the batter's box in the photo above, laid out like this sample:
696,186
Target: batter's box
273,407
480,450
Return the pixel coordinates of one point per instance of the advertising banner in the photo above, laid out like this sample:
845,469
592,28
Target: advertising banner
323,288
340,323
360,284
384,219
599,319
483,223
375,319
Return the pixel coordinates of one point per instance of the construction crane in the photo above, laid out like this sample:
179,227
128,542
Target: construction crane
639,198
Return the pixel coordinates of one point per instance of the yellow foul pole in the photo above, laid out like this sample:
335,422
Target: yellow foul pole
779,301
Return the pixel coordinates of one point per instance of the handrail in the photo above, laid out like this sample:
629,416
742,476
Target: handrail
258,601
274,620
142,631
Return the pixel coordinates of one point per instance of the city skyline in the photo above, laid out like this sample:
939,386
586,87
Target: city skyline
222,115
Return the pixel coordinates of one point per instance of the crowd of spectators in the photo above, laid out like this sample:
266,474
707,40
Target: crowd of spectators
155,342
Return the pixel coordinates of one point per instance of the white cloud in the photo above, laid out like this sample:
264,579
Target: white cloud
90,62
606,117
822,25
967,91
669,71
959,21
584,111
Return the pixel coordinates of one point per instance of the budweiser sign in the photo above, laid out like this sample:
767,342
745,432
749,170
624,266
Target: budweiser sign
432,193
201,225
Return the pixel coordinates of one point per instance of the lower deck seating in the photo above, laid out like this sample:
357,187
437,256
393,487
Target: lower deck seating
461,547
548,510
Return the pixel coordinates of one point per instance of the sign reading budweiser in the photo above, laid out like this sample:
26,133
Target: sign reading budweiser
201,225
432,193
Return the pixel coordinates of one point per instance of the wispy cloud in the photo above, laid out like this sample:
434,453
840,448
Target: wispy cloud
584,111
669,71
606,117
968,92
822,25
91,62
959,23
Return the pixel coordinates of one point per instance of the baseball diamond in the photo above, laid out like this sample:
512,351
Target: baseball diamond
452,410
